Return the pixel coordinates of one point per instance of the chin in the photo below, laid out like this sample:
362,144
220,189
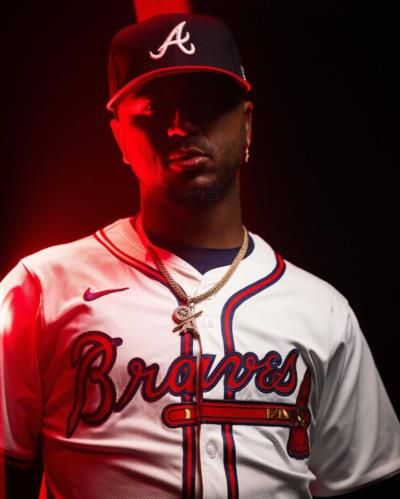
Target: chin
202,192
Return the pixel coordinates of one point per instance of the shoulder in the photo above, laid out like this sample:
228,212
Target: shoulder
298,281
54,280
311,286
61,266
71,257
314,305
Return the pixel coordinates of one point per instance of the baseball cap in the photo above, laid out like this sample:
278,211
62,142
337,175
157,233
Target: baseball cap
169,44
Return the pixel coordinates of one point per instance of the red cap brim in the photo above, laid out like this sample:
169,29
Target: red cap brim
111,104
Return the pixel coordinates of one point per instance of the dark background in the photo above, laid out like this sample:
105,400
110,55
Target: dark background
321,186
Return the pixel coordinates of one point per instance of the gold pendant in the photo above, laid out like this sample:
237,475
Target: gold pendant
184,317
180,314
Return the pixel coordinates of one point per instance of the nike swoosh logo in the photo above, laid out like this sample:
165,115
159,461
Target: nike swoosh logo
89,295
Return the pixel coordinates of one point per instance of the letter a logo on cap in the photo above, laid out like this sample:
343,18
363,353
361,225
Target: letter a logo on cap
175,38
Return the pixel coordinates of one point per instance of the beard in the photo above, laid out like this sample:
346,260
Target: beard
207,186
208,191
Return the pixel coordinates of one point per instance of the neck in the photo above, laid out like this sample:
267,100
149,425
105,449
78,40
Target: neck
215,225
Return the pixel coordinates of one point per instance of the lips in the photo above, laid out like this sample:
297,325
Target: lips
187,159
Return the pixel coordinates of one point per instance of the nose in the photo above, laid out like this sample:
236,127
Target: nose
180,125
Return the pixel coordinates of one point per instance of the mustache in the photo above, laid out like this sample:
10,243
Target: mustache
186,153
188,147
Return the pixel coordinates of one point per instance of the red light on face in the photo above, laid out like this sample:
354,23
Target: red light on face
148,8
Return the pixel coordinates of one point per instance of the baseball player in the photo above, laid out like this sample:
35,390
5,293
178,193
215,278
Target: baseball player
175,353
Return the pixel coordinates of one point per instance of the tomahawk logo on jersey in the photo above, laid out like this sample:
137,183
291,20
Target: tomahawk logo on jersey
287,380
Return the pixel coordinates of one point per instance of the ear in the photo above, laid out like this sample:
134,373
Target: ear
116,129
248,115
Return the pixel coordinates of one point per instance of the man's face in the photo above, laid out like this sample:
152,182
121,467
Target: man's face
185,135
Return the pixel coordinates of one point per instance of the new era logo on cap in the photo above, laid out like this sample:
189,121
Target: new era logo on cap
170,44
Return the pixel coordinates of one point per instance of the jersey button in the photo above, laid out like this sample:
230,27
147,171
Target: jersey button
211,449
209,321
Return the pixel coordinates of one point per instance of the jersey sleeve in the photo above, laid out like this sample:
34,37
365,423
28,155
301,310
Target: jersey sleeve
357,438
20,387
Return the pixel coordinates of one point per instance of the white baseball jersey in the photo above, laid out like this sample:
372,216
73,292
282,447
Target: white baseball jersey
291,402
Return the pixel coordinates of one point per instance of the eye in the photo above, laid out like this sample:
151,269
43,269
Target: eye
149,108
143,107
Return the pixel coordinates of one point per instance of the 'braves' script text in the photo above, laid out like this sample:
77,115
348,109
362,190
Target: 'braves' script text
94,353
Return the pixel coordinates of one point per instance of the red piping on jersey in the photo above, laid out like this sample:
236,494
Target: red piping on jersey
188,484
126,258
230,462
189,435
244,294
129,260
230,455
227,333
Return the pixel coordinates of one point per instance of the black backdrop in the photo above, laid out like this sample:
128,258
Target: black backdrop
321,186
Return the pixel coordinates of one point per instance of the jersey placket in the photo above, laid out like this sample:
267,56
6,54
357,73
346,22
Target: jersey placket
210,443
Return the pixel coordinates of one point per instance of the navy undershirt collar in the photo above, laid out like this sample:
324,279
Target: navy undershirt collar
202,259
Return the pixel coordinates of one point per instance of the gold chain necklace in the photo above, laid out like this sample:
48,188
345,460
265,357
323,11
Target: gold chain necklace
184,315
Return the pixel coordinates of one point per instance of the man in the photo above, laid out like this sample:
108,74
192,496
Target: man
175,354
